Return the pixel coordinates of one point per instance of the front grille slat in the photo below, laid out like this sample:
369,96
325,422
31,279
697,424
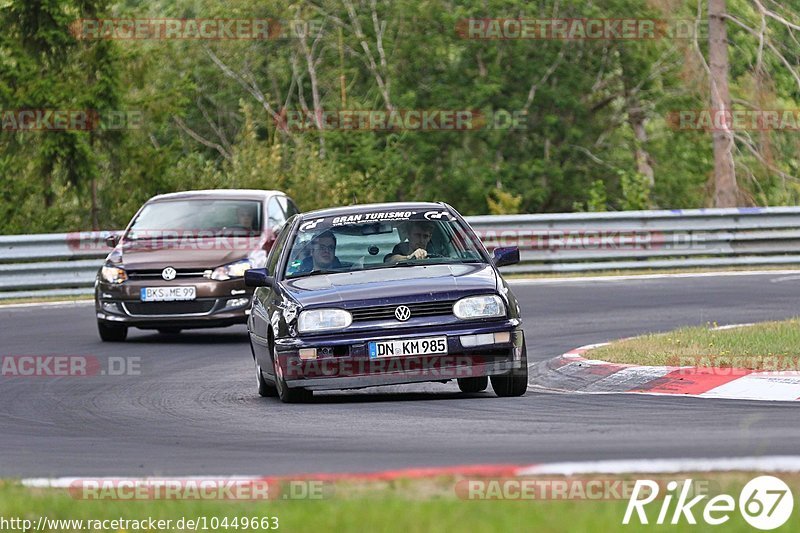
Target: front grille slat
169,308
386,312
156,274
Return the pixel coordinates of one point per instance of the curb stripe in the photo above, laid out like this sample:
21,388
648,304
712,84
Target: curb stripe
690,381
629,378
574,372
774,463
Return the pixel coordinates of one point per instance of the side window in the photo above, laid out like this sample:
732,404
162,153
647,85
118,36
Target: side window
288,206
275,253
275,213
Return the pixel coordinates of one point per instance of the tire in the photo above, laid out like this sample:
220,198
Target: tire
515,383
169,331
287,395
112,332
476,384
265,390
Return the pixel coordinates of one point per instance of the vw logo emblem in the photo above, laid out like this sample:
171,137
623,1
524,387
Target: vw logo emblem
168,274
402,313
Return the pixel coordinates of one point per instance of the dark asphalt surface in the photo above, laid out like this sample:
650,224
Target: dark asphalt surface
194,409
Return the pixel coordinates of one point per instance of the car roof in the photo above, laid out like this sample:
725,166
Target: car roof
232,194
366,208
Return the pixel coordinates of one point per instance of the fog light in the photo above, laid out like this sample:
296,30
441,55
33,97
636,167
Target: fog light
308,353
500,338
111,307
237,302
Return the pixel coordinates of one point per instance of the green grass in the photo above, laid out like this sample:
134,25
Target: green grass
764,346
405,506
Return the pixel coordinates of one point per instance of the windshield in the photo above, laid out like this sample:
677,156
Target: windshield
199,217
379,240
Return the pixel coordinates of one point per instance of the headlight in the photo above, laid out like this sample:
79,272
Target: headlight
238,268
113,274
323,320
480,307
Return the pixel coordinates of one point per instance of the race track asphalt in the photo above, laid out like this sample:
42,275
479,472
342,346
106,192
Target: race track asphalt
193,409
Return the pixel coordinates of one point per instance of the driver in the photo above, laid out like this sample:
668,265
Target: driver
244,217
323,254
416,247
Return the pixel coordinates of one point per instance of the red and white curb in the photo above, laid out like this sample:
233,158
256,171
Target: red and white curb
774,463
573,372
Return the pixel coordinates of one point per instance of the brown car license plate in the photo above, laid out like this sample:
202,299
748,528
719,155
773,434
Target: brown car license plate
167,294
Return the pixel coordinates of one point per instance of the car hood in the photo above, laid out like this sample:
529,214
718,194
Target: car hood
184,255
388,285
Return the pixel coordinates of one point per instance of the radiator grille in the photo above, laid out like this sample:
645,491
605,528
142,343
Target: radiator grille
386,312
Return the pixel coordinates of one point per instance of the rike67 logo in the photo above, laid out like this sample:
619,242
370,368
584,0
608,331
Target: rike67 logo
765,503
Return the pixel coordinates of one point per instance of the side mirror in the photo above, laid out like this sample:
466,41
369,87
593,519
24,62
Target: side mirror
112,240
257,277
505,256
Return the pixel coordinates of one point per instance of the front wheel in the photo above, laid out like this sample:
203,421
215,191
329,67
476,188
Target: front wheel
514,383
264,389
286,394
112,332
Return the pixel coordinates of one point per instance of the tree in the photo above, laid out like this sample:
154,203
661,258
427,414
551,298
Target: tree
726,191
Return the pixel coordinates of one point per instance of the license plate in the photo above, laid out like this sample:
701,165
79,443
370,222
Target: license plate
400,348
167,294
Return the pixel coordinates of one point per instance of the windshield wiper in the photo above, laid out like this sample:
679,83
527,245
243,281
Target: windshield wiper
315,272
431,261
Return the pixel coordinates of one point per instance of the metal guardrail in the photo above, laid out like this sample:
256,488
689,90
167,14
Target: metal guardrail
65,263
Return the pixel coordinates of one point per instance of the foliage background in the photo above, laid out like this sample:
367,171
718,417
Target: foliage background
205,128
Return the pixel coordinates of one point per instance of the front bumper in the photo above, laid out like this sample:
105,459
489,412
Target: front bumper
217,304
345,363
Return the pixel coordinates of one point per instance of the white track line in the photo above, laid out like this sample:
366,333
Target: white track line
775,463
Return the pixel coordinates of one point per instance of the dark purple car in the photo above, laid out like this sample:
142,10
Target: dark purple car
384,294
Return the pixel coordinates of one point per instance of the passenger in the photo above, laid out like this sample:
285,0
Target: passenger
416,247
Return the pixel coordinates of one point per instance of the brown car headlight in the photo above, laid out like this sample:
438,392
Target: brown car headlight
257,259
112,274
231,270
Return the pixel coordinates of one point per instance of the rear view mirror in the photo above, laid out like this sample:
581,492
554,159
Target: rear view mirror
258,277
112,240
505,256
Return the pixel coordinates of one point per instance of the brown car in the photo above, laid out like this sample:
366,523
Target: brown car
180,263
